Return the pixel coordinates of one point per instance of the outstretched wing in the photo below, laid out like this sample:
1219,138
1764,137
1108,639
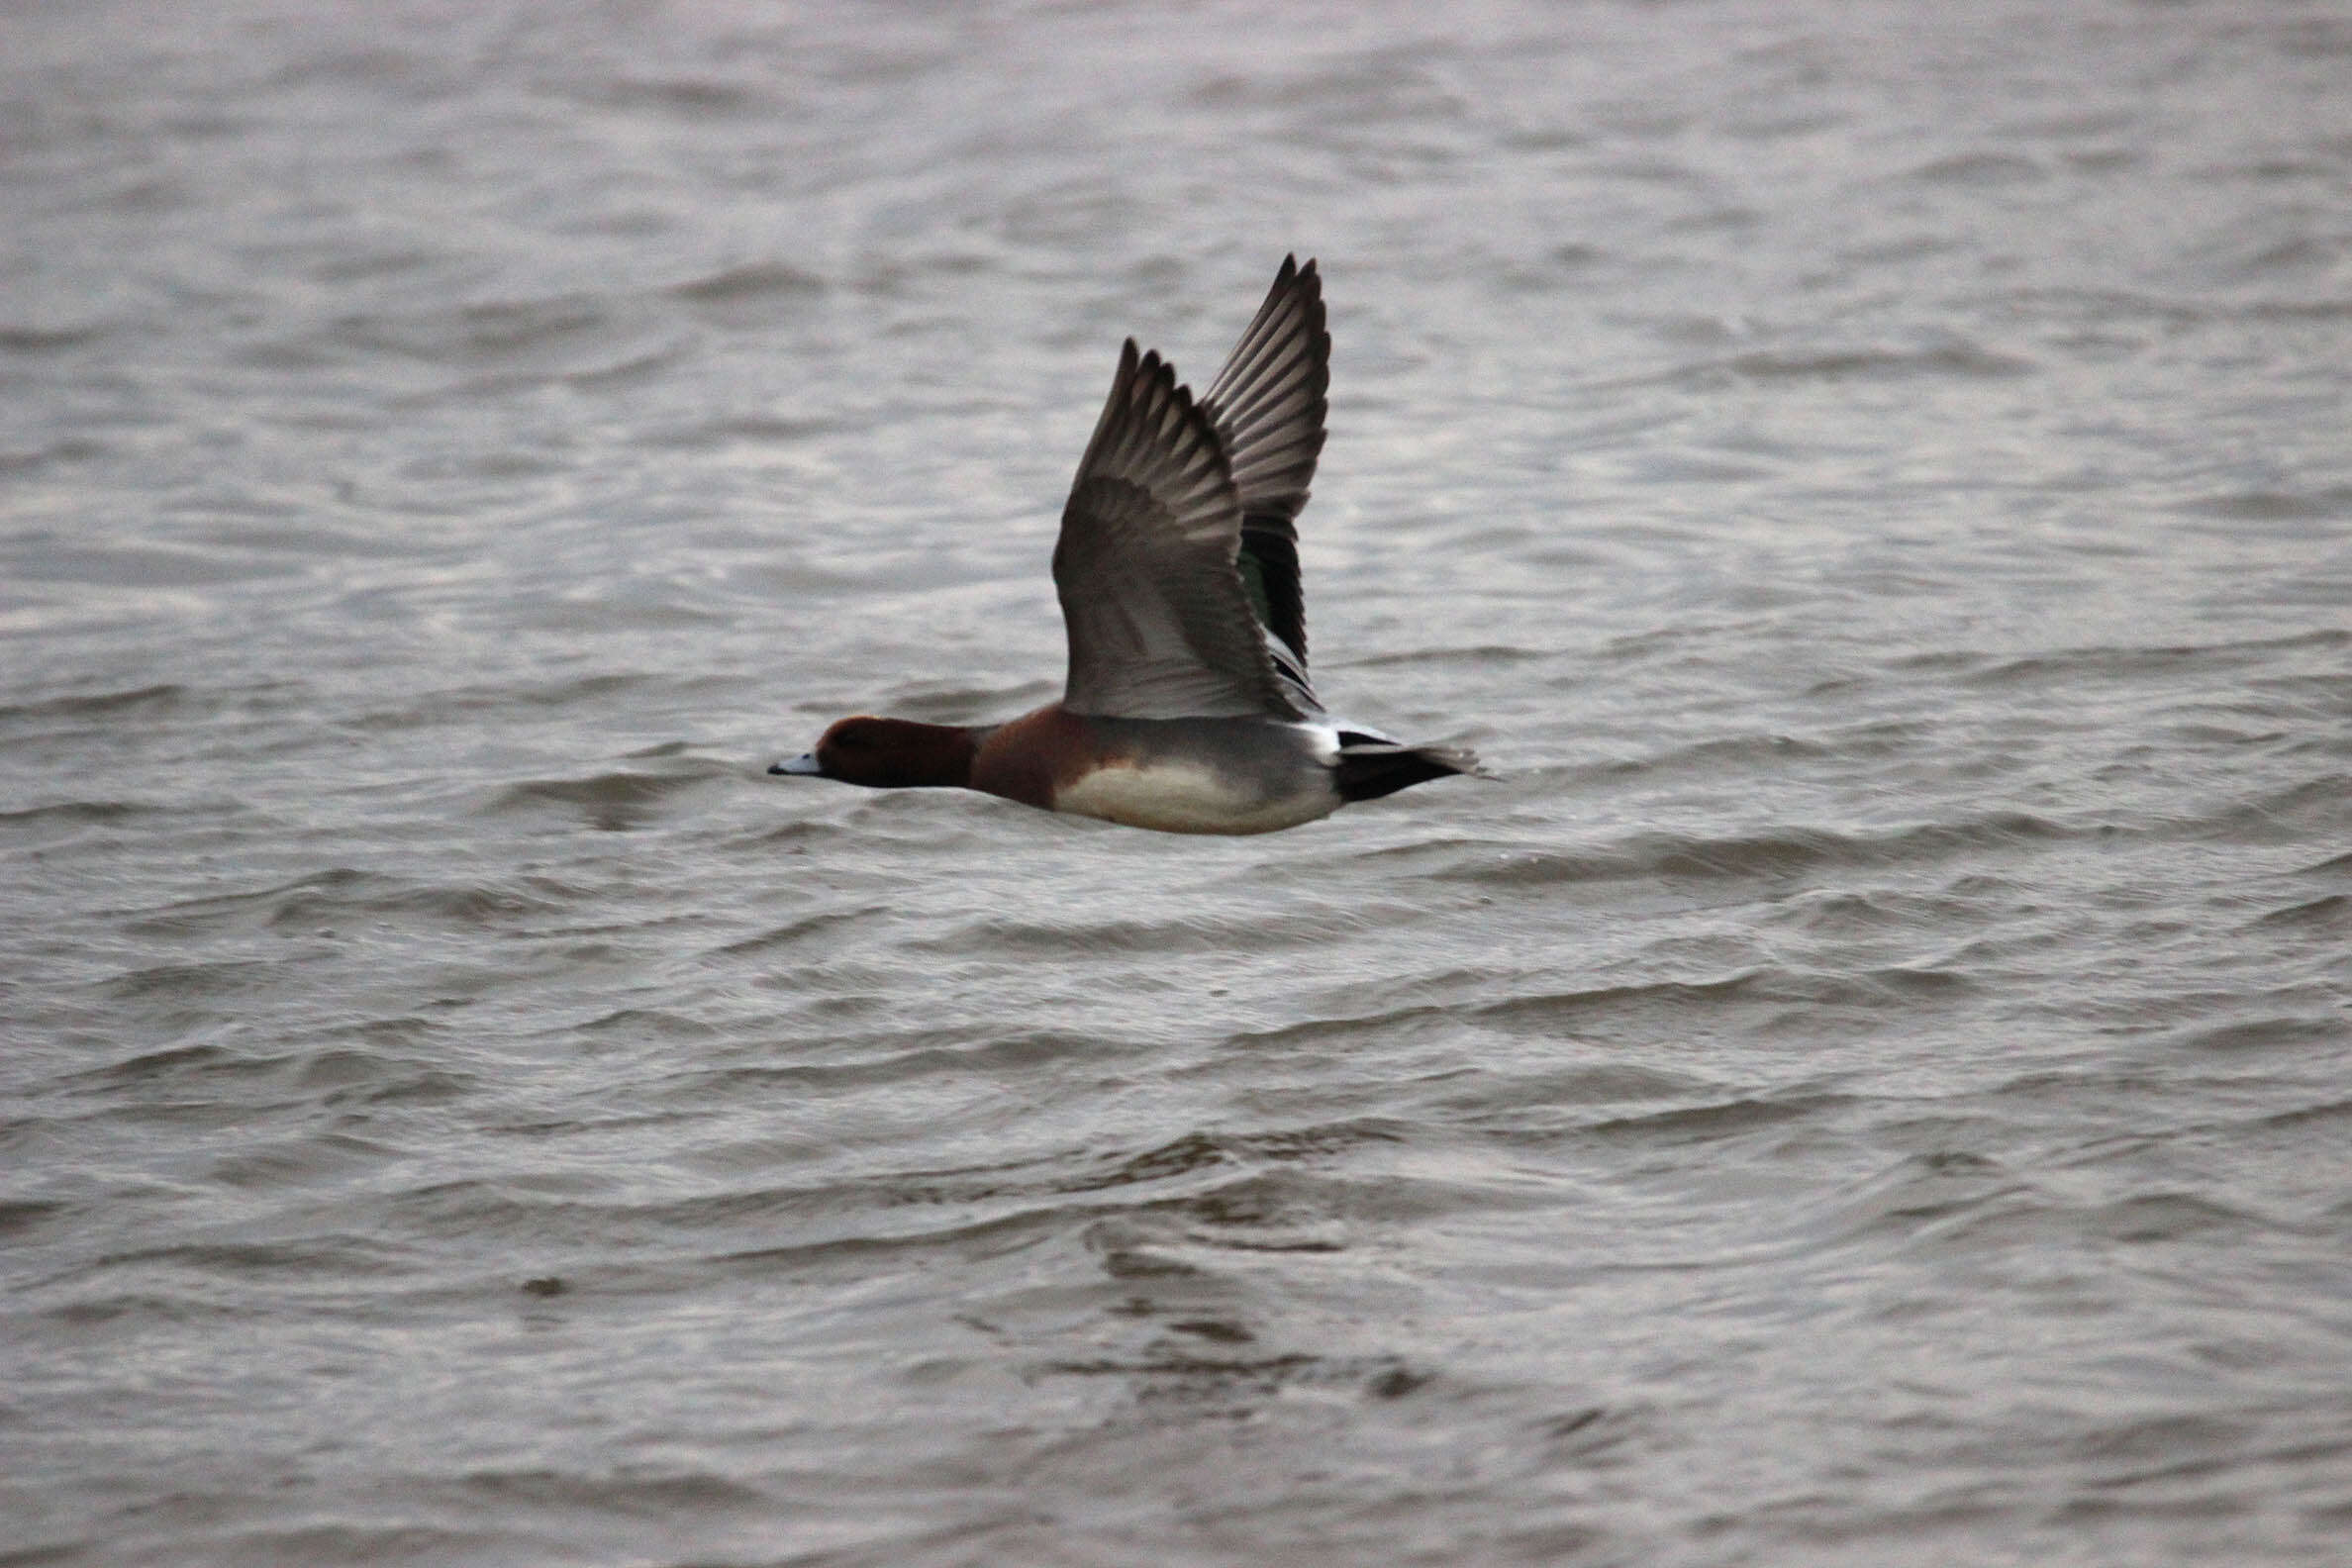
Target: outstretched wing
1269,405
1160,625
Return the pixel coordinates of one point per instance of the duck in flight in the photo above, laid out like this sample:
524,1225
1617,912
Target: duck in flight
1187,706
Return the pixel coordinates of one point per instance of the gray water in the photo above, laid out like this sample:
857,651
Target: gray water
1872,1084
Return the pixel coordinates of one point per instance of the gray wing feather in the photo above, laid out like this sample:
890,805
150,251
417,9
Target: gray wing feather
1160,625
1269,402
1269,405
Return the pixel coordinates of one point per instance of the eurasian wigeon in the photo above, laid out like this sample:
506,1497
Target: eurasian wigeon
1187,706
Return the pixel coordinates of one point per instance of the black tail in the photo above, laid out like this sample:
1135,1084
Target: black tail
1370,769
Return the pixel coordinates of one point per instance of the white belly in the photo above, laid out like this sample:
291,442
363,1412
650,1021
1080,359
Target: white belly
1176,797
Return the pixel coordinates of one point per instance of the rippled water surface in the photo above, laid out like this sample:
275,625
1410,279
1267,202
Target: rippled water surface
1872,1084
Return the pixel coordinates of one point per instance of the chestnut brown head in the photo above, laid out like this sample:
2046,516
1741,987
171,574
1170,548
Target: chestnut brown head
888,753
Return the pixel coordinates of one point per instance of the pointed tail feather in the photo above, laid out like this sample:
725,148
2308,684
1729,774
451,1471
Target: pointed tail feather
1368,770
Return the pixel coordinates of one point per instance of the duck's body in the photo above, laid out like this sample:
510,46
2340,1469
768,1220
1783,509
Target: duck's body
1176,775
1188,706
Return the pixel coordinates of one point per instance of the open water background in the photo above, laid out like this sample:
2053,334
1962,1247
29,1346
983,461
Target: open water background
1874,1085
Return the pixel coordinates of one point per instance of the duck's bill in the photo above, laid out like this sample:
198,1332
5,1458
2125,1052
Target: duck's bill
806,763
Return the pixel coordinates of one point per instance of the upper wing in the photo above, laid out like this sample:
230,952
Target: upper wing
1268,405
1159,622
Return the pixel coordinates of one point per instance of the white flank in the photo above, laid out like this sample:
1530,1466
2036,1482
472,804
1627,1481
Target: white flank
1176,797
